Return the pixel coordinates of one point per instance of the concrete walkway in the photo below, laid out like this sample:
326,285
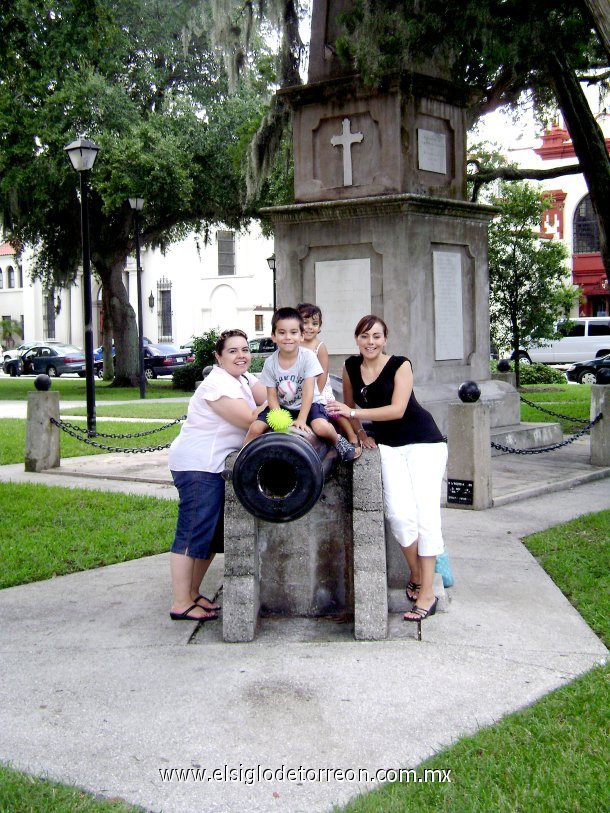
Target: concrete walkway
101,689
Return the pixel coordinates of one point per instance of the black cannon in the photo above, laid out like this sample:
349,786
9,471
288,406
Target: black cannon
279,476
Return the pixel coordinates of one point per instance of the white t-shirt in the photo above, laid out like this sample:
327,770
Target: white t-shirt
206,438
289,383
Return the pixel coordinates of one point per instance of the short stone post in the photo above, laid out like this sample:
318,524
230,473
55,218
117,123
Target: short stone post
42,436
469,445
600,433
370,574
241,584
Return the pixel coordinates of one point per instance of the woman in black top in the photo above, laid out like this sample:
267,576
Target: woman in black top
379,388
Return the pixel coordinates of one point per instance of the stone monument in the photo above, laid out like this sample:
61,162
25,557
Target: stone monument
381,223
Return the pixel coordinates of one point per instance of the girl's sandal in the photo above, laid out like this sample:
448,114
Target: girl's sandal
412,587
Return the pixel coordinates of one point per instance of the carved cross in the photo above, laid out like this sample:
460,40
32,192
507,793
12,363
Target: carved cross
345,140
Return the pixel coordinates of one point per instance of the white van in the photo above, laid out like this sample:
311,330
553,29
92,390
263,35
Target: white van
584,338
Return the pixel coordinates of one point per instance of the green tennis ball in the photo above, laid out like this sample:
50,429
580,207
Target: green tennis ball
280,420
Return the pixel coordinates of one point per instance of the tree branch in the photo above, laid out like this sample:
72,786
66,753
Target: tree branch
489,174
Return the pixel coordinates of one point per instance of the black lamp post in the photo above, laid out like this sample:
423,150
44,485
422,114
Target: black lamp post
137,204
271,264
82,154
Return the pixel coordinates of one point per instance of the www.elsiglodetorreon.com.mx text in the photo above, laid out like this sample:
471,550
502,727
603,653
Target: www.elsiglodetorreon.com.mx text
300,774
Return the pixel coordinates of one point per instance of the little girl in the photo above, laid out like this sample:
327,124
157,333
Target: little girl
312,320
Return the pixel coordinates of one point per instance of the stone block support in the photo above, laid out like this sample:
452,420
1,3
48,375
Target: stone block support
321,564
600,433
370,576
469,464
241,586
42,436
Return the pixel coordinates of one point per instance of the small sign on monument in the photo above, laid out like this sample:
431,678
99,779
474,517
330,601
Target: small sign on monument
432,151
460,492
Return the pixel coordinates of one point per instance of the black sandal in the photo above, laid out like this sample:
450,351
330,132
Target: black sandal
185,616
421,613
212,607
413,588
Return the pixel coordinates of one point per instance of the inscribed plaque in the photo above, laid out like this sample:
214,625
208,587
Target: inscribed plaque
343,293
432,151
448,316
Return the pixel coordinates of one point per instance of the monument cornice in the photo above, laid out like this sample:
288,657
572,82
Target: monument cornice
378,206
408,82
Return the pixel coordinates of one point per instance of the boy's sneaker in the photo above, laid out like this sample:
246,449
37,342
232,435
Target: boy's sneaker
346,451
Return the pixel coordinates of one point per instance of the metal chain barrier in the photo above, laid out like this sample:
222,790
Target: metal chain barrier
77,432
83,430
550,412
552,448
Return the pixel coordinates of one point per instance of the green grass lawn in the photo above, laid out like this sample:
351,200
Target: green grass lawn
74,389
567,400
552,756
12,438
167,410
49,531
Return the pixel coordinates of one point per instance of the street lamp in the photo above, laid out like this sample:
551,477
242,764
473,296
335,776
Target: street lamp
271,264
137,204
82,154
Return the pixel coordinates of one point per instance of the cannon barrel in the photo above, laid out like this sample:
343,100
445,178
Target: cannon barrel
279,476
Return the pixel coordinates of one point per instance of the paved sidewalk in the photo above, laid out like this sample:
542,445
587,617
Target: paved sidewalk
101,689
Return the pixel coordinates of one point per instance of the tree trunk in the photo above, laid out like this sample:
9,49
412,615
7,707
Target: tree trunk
589,144
124,327
600,15
107,337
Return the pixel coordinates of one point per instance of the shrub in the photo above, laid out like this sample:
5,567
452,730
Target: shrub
256,365
540,374
203,347
186,378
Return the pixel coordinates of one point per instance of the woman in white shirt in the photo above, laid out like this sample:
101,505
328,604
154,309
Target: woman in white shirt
219,415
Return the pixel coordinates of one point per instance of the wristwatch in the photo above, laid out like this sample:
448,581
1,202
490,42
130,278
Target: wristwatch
352,413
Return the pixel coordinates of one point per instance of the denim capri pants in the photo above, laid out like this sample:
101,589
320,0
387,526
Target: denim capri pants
200,526
316,411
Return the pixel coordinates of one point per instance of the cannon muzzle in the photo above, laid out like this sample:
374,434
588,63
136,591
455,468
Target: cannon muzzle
279,476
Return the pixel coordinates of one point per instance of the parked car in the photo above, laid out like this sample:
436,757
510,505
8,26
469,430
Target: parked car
262,347
52,359
16,352
583,337
164,359
585,372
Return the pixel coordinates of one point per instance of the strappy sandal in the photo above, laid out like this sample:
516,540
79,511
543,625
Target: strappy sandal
211,606
412,587
186,615
421,614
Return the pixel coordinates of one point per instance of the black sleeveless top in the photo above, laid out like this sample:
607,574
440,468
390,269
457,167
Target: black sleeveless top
416,425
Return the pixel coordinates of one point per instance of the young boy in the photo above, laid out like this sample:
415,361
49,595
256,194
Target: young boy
289,375
312,325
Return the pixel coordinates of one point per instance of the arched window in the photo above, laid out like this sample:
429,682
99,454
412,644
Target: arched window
10,276
1,279
586,228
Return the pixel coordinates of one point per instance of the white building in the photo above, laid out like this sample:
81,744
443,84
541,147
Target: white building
191,289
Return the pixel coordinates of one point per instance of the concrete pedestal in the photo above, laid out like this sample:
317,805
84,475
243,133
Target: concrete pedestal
42,436
469,463
600,433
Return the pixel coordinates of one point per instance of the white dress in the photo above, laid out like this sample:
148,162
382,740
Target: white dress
327,392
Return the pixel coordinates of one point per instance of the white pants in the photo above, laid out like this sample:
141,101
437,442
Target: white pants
412,478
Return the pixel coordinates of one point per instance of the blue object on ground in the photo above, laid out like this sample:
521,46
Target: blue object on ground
443,566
